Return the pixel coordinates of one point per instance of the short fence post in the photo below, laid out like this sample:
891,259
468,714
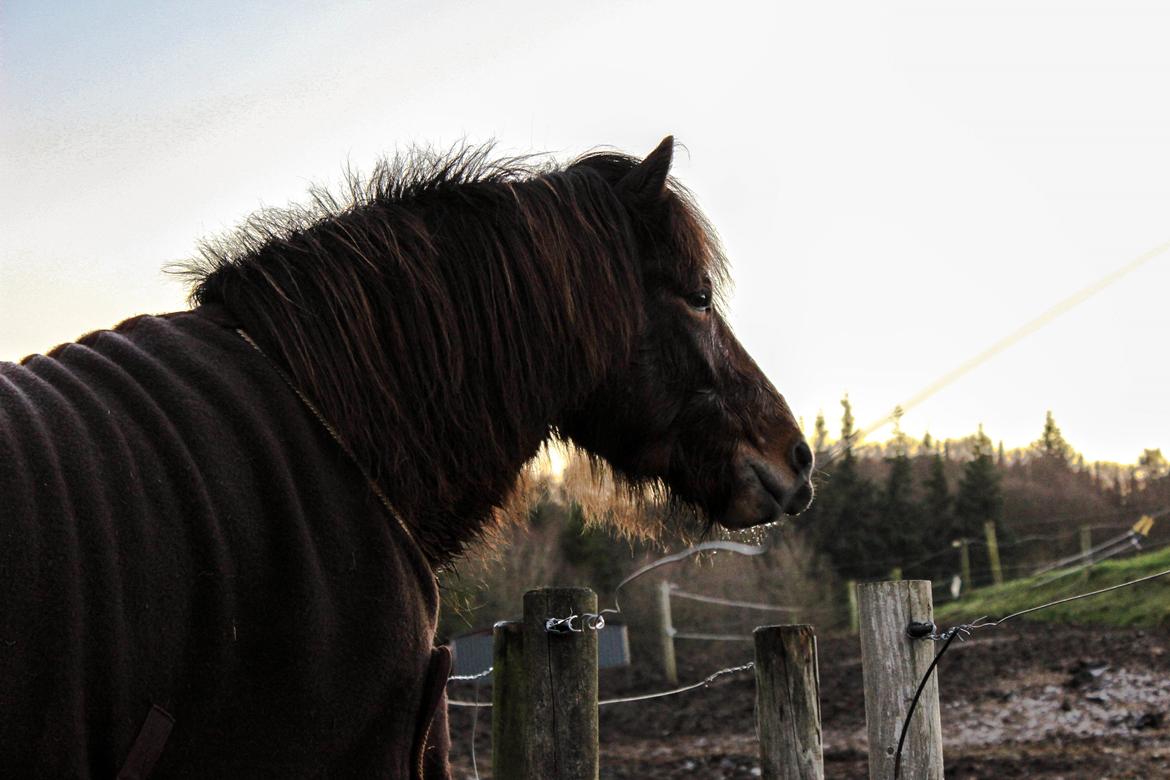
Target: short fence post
965,567
560,686
892,665
993,552
851,588
665,633
788,703
1086,549
508,700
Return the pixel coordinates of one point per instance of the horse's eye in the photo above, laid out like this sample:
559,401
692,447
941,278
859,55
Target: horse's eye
700,300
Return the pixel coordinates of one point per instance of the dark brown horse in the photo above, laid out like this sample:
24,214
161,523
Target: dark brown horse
229,518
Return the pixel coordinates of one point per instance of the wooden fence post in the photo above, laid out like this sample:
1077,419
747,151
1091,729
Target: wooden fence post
665,633
993,552
788,703
1086,549
560,687
508,699
965,567
892,665
851,588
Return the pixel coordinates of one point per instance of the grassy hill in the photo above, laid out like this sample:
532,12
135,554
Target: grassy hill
1146,604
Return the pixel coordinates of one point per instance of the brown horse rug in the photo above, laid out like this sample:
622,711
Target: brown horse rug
194,579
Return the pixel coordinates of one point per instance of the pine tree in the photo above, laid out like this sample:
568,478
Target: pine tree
938,522
847,523
980,498
860,548
937,499
900,517
820,433
847,432
1051,445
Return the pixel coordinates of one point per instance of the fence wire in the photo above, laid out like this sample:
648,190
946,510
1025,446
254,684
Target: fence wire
682,594
638,697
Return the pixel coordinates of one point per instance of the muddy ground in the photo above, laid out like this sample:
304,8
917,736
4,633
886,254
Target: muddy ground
1025,701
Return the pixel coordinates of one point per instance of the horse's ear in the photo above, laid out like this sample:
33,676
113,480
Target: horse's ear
646,182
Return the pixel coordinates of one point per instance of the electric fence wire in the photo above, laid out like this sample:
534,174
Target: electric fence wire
1107,544
1127,544
682,594
641,696
1008,544
712,637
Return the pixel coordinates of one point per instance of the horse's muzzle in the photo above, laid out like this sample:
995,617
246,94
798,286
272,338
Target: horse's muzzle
764,491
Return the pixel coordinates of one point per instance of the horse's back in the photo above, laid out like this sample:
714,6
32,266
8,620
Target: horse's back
176,532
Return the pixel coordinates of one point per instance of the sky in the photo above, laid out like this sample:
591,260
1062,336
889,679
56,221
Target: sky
898,185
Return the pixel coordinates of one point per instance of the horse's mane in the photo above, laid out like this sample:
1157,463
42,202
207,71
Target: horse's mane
439,306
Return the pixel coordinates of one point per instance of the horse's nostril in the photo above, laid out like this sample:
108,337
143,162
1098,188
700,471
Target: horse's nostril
802,457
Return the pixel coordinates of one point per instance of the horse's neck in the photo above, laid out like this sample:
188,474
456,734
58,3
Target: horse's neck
479,479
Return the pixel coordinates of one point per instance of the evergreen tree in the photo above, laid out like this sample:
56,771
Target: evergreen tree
937,500
847,431
938,522
820,434
848,525
900,442
860,549
1052,445
980,497
900,516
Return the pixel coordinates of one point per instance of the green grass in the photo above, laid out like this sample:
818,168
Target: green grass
1144,605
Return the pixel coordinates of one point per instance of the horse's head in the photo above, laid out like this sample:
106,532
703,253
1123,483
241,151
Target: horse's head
690,407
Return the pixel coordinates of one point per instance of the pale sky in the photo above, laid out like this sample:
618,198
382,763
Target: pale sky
898,185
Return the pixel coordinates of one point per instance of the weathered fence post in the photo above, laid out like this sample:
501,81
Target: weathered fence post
993,552
665,629
508,699
788,703
892,665
560,686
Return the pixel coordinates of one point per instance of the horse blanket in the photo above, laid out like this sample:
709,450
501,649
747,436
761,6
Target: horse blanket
195,581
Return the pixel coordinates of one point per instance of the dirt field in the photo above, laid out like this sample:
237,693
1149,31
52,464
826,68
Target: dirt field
1022,701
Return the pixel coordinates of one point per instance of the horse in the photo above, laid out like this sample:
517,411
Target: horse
220,527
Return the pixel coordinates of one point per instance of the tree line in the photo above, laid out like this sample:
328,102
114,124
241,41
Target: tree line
906,503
